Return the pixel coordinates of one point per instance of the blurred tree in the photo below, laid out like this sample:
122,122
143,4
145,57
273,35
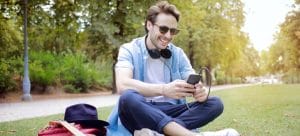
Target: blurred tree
247,64
10,36
11,46
285,52
112,23
54,25
11,39
211,32
210,29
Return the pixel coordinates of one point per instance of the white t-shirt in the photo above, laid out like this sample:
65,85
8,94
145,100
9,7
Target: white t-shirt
155,75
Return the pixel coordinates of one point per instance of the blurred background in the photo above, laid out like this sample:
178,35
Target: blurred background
73,44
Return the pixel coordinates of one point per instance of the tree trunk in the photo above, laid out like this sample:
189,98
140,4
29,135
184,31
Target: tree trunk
115,57
120,35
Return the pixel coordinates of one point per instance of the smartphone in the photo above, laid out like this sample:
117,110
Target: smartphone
193,79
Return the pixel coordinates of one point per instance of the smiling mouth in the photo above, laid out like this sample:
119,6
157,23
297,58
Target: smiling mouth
164,41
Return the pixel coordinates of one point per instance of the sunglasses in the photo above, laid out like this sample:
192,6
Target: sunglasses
165,29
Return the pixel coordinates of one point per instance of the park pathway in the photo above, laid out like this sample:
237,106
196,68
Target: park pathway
22,110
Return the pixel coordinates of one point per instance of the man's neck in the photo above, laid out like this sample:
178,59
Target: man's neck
149,43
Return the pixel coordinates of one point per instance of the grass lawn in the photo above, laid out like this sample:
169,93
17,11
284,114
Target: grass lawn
262,110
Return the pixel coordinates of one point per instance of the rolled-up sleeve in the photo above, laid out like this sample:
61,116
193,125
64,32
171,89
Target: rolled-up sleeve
125,58
185,68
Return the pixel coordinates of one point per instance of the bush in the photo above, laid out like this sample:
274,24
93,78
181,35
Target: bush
221,79
103,73
6,76
10,49
43,68
80,73
71,89
74,70
291,77
236,80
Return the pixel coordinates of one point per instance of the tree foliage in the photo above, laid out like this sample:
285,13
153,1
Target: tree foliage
210,31
111,23
284,54
10,46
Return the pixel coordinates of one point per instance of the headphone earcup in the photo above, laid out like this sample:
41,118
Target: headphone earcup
155,54
166,53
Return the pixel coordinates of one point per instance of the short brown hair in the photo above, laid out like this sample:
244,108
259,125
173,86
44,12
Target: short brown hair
161,7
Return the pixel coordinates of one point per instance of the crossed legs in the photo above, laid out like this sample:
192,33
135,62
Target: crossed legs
136,113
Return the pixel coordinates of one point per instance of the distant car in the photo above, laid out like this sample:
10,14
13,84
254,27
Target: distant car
266,81
269,81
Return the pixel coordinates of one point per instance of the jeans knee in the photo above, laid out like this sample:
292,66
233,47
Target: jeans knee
129,99
217,105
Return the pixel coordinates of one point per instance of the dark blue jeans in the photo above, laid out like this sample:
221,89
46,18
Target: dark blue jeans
136,113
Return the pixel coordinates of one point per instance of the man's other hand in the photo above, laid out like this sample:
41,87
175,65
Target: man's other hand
178,89
201,93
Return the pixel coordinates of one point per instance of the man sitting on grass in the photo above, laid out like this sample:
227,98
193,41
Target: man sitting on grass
151,74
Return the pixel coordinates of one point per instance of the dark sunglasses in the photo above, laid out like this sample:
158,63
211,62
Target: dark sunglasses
165,29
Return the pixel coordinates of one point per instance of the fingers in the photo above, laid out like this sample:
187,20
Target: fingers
183,84
199,94
200,97
202,89
179,89
189,91
199,85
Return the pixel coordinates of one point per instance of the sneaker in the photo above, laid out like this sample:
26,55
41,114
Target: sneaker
224,132
146,132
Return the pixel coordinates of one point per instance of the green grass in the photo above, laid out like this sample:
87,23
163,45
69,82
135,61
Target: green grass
262,110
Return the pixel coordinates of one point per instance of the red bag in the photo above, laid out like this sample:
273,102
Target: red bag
63,128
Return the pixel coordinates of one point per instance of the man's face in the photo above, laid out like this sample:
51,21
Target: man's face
160,39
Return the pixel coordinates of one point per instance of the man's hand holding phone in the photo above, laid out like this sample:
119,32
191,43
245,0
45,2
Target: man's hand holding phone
178,89
200,94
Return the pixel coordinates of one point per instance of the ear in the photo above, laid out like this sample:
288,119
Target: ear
149,25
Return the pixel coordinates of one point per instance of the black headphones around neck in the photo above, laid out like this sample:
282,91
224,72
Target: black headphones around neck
155,53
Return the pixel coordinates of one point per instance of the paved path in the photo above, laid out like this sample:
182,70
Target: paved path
22,110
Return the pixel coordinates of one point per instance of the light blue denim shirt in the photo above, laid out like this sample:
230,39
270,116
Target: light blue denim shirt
134,55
